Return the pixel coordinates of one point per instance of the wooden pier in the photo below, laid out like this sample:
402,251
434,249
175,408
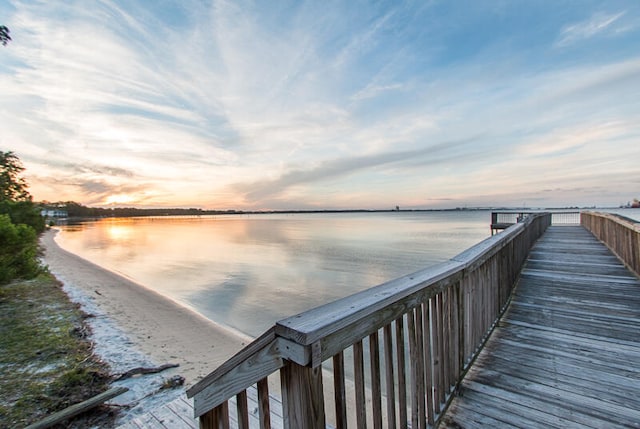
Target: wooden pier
567,351
538,326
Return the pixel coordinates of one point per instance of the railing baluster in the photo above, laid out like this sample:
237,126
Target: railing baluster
436,355
428,361
216,418
422,417
402,379
441,357
455,326
242,408
389,378
446,332
376,390
358,369
339,391
263,404
413,358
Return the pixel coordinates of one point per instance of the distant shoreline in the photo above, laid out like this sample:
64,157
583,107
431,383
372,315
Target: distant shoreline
80,213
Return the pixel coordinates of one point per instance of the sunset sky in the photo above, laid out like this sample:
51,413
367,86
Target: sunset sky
323,104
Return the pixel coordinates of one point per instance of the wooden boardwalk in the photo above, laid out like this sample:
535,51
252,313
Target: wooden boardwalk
567,351
178,414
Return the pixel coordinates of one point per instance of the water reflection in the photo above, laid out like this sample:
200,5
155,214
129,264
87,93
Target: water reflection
249,271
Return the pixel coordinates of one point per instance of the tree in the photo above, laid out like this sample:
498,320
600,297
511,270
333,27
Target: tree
4,35
12,186
18,251
20,221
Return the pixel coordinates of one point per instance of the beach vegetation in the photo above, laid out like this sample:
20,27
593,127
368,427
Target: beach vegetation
13,187
46,361
18,251
20,223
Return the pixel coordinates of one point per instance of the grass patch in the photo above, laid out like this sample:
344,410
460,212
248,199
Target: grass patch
46,361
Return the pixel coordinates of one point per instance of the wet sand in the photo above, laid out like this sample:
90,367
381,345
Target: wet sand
158,326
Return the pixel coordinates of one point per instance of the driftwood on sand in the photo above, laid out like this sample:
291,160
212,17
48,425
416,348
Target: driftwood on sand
142,370
76,409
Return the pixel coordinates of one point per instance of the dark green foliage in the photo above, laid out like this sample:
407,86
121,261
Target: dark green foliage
4,35
18,251
20,223
23,212
12,186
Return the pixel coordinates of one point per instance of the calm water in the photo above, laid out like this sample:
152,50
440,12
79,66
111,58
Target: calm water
248,271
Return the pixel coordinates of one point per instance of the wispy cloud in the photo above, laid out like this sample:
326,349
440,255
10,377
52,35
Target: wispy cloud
243,104
598,24
256,192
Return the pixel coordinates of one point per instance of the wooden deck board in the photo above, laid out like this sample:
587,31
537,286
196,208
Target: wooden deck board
178,414
567,351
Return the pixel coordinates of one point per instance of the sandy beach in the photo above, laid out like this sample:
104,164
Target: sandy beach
156,326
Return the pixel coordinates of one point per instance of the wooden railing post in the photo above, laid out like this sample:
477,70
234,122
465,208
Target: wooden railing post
302,396
216,418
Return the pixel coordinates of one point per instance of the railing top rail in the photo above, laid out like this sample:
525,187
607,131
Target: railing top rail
227,366
552,211
617,218
317,334
311,325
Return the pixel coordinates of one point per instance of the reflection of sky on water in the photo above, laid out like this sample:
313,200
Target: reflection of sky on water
247,271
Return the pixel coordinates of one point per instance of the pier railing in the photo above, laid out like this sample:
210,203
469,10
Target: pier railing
504,219
620,234
395,353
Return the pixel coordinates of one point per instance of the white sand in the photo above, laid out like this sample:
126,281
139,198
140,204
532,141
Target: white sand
156,326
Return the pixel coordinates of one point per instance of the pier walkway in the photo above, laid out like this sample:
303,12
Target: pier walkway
535,327
567,351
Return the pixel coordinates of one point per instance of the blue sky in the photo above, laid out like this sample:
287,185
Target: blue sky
320,104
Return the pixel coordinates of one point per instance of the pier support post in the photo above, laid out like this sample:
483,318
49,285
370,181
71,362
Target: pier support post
302,396
217,418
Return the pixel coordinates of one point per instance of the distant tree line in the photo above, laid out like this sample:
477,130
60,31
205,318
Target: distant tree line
76,210
20,223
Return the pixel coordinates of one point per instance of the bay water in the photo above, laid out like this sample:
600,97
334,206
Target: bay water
247,271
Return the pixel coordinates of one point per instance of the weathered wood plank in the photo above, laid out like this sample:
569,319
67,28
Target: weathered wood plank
402,379
566,352
389,377
358,368
79,408
302,397
184,410
376,387
264,405
340,400
428,364
252,365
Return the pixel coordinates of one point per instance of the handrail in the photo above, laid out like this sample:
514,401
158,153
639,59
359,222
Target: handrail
438,317
618,233
505,218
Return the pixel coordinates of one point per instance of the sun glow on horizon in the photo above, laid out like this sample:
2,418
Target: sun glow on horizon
119,199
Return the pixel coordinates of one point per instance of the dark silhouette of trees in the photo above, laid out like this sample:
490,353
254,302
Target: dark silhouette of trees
20,222
12,186
4,35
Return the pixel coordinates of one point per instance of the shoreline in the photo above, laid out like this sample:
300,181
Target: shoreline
151,324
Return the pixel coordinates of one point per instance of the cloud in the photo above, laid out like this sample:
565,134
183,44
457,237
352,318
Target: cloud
245,104
101,170
330,169
598,24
